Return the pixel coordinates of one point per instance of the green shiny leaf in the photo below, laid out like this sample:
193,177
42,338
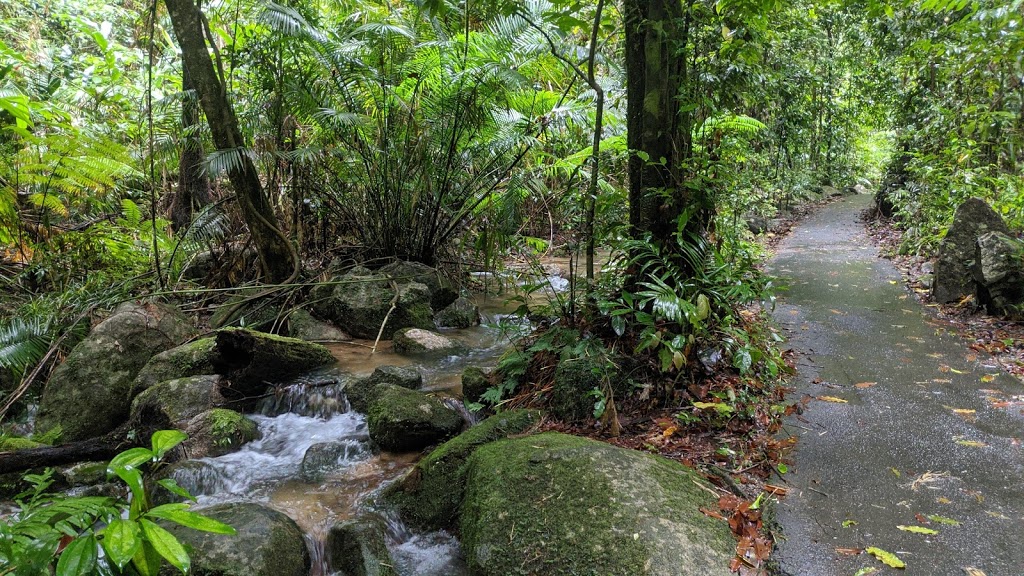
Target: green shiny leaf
165,440
172,486
166,545
79,557
179,514
131,458
121,541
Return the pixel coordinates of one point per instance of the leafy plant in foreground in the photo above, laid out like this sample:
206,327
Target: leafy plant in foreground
67,533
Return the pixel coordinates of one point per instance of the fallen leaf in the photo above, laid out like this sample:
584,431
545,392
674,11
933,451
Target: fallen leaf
921,519
997,515
971,443
955,371
833,399
942,380
865,384
867,571
848,523
943,520
895,471
988,378
943,500
849,551
917,529
887,558
669,431
971,571
834,311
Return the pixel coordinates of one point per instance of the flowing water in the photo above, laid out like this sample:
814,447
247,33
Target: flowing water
315,462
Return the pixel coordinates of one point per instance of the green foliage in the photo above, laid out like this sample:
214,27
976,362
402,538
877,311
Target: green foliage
66,533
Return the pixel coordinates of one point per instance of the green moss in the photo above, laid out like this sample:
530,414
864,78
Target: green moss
15,443
229,428
192,359
474,383
179,400
583,507
431,495
402,420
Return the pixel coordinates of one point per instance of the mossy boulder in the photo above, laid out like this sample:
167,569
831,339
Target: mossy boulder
362,391
268,543
324,457
304,326
84,473
430,495
190,359
92,391
420,342
462,313
474,383
571,397
558,505
442,292
359,301
403,420
358,547
217,432
178,401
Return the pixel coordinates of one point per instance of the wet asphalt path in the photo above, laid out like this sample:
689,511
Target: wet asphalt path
906,444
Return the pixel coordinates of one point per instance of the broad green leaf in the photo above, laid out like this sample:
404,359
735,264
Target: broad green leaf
164,440
133,478
121,541
943,520
917,529
172,486
720,407
703,307
79,557
887,558
166,545
867,571
147,560
178,513
131,458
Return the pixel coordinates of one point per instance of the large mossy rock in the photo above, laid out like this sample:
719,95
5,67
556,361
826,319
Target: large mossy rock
403,420
462,313
562,505
360,393
474,383
359,301
430,496
304,326
177,401
999,273
190,359
92,391
442,293
218,431
359,548
953,278
250,360
268,543
572,393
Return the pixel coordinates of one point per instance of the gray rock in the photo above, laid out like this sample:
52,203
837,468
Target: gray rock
442,293
303,325
953,277
268,543
178,401
361,392
250,360
359,301
217,432
91,392
403,420
585,507
999,273
324,457
192,359
416,341
359,548
830,191
474,383
462,313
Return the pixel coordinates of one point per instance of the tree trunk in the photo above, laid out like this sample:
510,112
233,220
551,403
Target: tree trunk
655,74
193,183
276,254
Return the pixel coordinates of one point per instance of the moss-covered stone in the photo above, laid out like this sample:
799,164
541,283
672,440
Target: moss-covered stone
359,548
179,400
15,443
84,473
268,543
442,292
419,342
403,420
91,392
217,432
462,313
571,399
190,359
250,360
360,393
304,326
430,496
474,383
359,301
324,457
562,505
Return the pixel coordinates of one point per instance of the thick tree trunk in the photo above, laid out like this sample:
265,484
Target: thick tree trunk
275,253
193,183
655,70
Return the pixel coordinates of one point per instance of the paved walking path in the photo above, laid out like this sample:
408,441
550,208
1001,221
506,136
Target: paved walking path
925,430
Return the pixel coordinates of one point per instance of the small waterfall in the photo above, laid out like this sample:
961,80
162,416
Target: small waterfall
318,396
423,554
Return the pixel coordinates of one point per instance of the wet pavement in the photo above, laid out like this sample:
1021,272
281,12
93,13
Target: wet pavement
928,427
